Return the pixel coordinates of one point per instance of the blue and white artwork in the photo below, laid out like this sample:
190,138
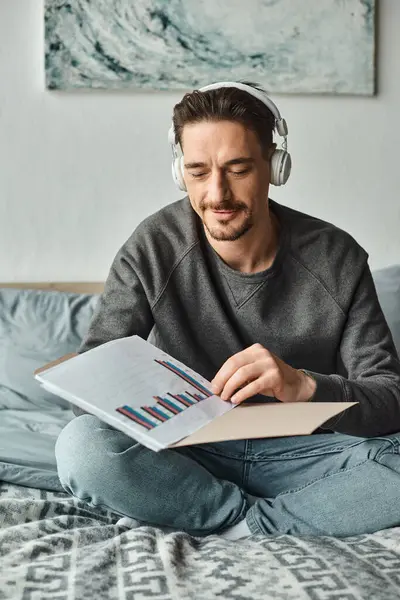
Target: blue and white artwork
288,46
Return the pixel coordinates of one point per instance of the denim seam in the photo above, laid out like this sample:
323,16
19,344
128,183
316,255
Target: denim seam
331,474
395,443
393,450
246,465
257,458
302,455
252,524
244,511
254,458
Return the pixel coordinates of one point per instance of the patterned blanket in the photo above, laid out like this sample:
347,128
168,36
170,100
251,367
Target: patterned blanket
54,547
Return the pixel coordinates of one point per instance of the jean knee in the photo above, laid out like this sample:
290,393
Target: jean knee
77,450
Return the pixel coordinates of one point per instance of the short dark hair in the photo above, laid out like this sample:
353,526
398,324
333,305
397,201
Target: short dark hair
226,104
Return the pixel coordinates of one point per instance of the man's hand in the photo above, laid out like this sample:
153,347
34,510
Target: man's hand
256,370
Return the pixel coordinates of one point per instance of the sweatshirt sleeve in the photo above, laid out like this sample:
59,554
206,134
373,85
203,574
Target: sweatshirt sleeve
370,359
122,309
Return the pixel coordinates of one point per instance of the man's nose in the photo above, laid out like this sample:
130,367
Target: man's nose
218,189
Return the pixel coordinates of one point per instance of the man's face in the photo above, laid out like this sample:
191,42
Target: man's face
226,176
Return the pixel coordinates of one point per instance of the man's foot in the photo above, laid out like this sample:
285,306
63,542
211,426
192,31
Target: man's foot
131,523
236,532
128,523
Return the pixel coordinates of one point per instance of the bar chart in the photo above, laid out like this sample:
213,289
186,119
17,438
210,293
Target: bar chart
169,404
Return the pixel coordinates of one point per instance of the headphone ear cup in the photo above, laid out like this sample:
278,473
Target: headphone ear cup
177,173
281,165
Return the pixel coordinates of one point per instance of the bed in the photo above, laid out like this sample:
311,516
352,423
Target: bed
52,546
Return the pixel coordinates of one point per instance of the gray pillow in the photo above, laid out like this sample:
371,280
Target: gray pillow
36,327
387,283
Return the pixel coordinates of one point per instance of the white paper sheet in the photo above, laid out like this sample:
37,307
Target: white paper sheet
129,380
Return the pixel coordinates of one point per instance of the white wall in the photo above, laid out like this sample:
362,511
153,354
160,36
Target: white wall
80,170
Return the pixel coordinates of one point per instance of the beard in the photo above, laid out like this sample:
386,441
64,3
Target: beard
228,232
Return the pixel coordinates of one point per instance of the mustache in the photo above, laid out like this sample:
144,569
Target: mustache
227,205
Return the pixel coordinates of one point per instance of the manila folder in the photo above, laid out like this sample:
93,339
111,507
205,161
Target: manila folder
266,420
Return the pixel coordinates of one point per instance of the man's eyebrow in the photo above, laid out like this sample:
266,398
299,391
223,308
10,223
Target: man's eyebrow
240,160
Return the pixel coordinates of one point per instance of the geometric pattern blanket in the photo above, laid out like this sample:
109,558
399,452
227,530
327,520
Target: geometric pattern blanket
54,547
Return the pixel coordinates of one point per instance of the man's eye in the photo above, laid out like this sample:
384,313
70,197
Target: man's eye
243,172
196,175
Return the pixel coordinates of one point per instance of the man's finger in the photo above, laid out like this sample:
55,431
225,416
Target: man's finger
239,379
249,390
229,367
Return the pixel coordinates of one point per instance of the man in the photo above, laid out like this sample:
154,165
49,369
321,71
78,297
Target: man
262,300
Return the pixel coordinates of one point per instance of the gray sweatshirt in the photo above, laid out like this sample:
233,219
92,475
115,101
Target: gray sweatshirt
315,307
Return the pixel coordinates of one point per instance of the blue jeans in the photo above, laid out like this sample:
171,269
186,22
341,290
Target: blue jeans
329,484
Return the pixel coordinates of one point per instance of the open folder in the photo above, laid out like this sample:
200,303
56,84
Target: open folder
161,403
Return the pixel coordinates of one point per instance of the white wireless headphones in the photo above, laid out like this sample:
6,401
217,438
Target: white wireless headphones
281,162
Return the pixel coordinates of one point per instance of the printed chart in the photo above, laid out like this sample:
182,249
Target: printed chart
168,405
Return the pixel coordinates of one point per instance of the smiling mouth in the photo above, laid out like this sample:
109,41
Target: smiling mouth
224,214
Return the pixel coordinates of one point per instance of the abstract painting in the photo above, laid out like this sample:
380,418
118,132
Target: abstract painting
308,46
